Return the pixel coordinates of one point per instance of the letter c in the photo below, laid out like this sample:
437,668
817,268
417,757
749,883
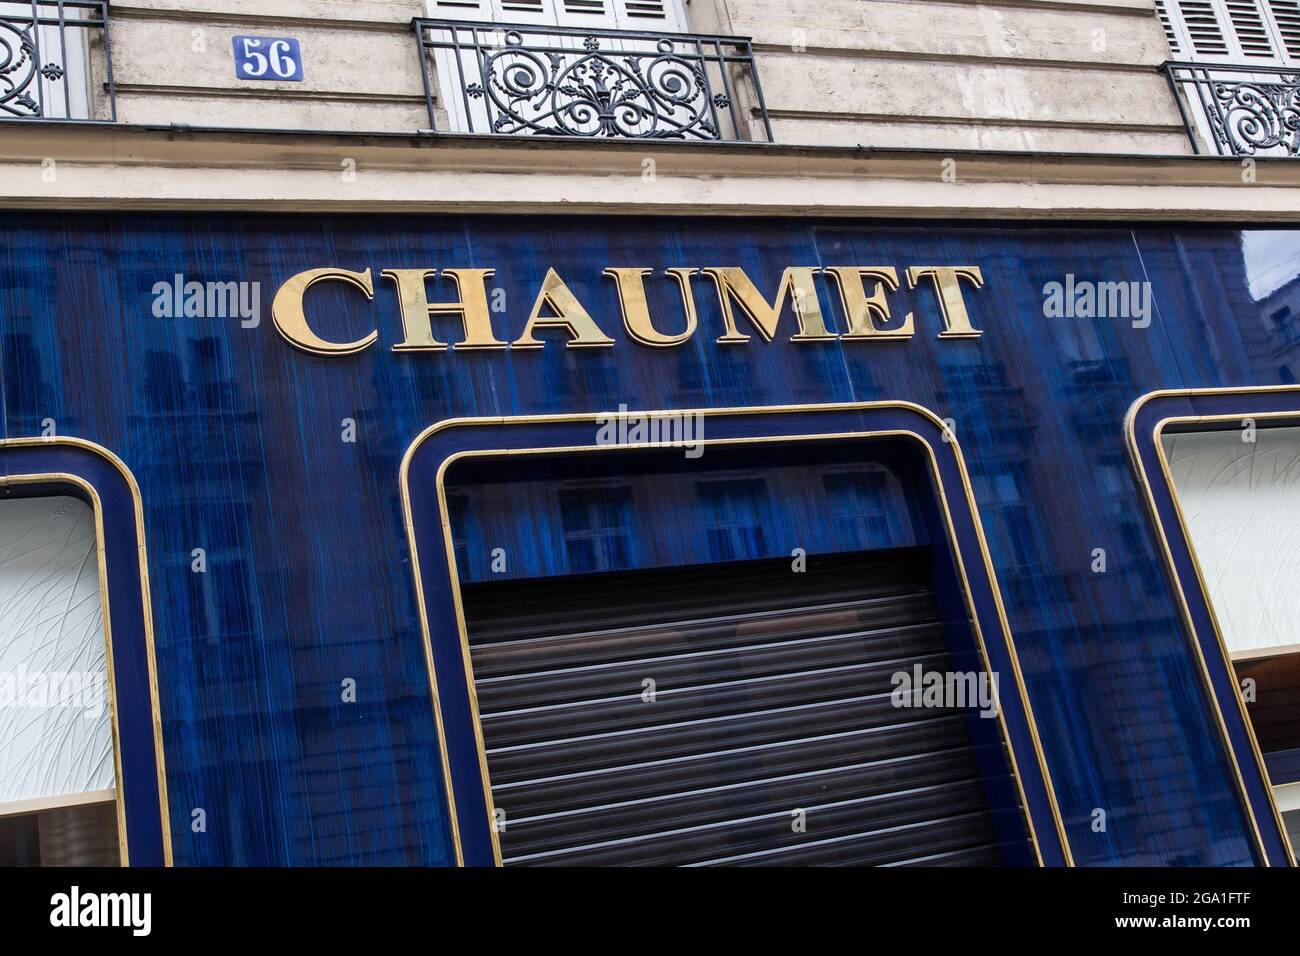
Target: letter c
291,321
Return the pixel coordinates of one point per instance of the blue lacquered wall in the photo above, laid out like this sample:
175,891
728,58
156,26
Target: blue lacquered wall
237,442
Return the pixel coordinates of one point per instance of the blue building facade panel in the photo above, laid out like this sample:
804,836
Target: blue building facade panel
278,471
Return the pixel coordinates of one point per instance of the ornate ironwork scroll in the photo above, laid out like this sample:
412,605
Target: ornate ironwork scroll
1240,111
536,80
45,59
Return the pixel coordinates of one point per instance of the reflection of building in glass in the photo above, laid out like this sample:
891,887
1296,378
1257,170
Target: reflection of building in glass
595,523
1279,314
573,525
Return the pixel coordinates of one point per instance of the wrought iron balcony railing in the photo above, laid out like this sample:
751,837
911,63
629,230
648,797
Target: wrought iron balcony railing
1239,110
517,79
54,61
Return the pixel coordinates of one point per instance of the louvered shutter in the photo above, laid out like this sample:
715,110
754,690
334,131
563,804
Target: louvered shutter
1255,41
1172,34
1260,32
585,13
771,696
479,10
1286,17
650,14
524,11
625,14
494,11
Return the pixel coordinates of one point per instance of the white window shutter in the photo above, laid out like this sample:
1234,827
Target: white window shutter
1254,38
1204,22
666,15
586,13
1286,19
475,10
1173,35
525,11
494,11
1260,32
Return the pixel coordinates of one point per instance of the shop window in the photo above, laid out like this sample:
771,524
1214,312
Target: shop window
58,803
1288,801
710,703
1239,492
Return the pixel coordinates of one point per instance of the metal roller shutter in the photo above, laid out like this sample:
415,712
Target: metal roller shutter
770,696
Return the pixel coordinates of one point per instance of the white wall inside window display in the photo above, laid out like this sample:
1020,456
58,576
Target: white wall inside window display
1241,503
55,732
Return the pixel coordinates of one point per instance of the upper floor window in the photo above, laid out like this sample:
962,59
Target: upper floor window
45,60
1235,72
622,69
1259,32
658,15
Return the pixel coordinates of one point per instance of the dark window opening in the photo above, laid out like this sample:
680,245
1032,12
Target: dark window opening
1271,688
81,835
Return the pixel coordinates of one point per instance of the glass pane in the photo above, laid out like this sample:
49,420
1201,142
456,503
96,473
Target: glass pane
55,736
1240,495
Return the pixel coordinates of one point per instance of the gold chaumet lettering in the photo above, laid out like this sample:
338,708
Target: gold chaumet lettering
471,307
568,315
864,293
947,285
636,310
291,321
734,286
862,310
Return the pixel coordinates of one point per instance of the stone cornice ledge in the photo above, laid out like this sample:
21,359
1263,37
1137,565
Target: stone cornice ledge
88,166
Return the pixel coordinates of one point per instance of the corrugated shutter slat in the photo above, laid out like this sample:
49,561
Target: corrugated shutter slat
771,695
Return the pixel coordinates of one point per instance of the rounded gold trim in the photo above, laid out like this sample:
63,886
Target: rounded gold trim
934,419
1135,458
146,609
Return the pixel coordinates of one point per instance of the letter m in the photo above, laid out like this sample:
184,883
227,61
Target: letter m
223,300
736,289
1112,300
117,909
